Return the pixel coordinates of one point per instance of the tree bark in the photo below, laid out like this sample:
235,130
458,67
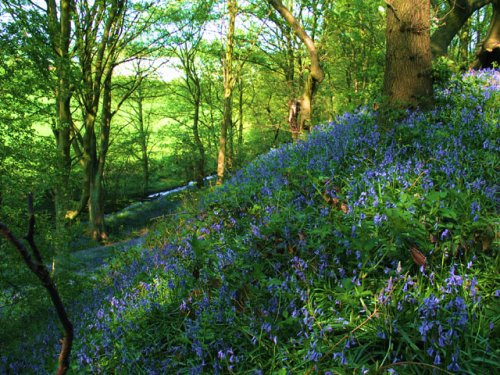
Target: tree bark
407,80
240,121
96,201
228,93
200,163
464,36
489,51
315,76
60,36
143,141
99,41
455,19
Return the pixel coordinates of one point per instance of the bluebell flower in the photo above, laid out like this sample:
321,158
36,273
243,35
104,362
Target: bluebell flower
453,366
437,359
378,219
445,234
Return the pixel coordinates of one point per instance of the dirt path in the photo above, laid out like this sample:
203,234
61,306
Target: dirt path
89,260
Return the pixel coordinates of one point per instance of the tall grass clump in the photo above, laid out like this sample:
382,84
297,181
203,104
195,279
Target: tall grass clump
357,251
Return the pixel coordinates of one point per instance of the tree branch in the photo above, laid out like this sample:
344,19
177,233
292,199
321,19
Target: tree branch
38,268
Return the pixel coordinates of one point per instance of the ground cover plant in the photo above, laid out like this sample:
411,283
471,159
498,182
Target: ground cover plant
360,250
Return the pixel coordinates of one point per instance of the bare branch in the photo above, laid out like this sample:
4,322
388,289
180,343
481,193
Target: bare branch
40,270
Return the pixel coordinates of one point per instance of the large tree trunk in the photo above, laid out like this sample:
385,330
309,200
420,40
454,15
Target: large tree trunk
407,80
228,93
303,106
489,52
96,208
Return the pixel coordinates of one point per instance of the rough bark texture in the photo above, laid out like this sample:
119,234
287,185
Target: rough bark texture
407,80
454,20
314,78
35,263
228,93
489,51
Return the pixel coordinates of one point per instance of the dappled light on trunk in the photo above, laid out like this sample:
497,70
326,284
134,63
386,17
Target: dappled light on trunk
408,80
300,110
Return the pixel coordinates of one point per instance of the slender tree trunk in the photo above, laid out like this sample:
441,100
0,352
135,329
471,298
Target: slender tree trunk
315,76
96,203
200,163
143,143
464,36
230,140
240,121
60,34
228,92
407,80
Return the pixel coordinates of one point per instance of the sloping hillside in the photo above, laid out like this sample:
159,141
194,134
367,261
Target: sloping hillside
359,250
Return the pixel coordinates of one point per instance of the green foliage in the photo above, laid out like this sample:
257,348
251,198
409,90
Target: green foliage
311,259
443,71
302,263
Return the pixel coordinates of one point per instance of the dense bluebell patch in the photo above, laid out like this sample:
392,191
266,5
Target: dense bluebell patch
307,260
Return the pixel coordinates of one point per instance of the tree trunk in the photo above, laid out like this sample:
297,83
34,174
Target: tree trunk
455,18
200,163
240,121
228,92
96,209
315,77
489,52
143,143
230,141
407,80
464,36
293,118
99,41
96,202
60,34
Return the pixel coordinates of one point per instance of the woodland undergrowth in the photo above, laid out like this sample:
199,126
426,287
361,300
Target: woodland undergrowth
356,251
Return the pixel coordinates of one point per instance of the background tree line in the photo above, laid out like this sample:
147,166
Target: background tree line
103,101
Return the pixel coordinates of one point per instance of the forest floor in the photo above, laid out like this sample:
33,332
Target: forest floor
128,228
87,260
355,251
